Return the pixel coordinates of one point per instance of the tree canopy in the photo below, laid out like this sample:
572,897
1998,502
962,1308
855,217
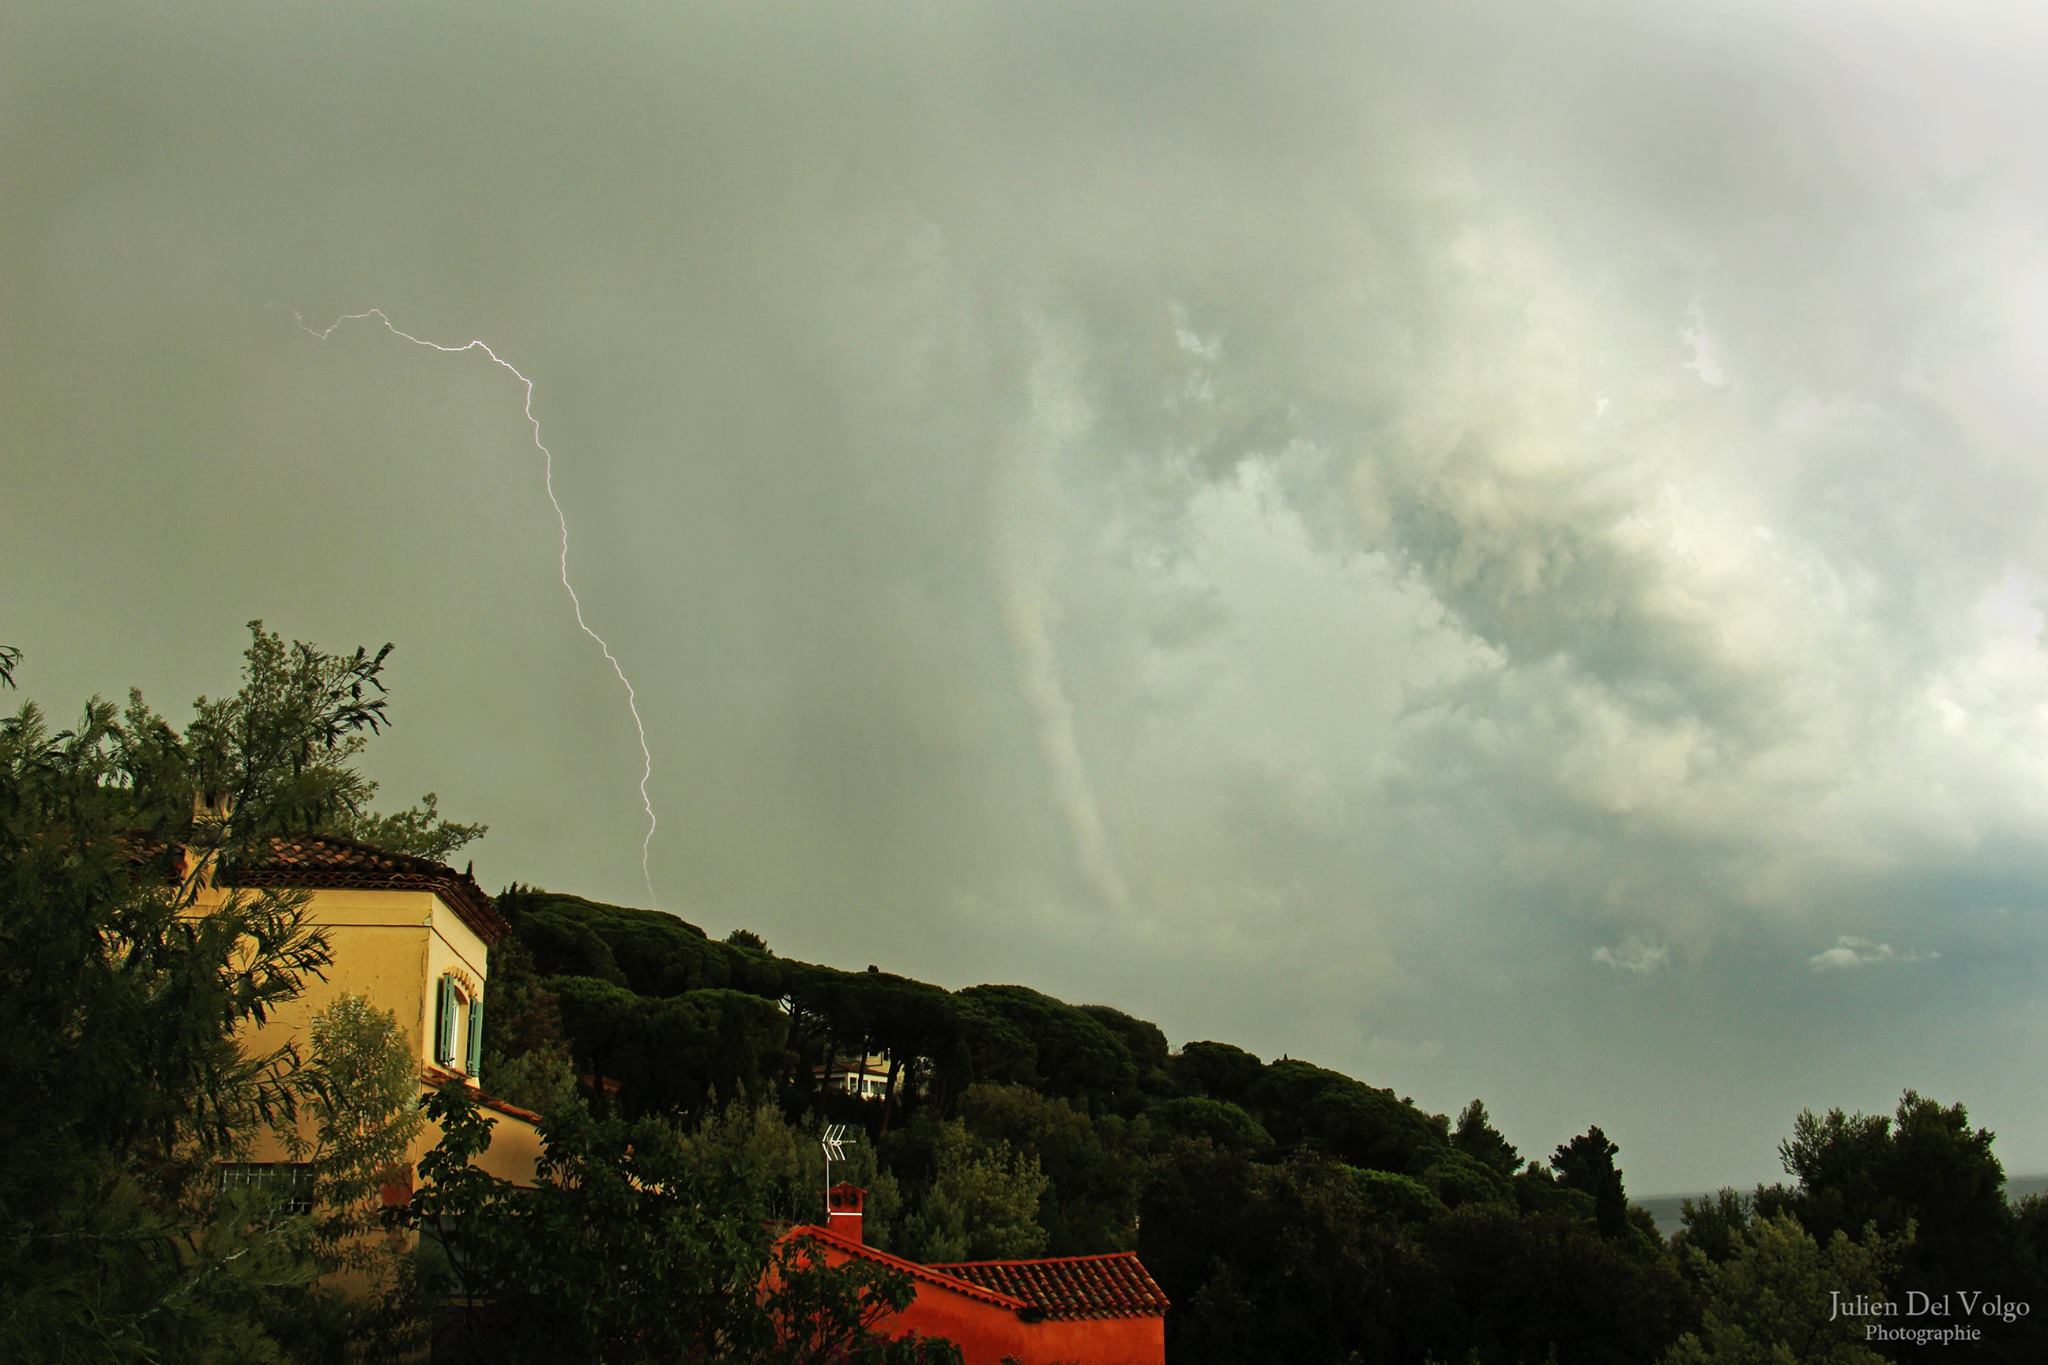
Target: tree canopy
123,1015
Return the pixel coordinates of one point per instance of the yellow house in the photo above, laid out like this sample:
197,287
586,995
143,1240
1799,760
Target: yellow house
866,1077
412,936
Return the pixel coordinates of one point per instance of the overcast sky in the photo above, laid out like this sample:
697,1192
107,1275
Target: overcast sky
1496,548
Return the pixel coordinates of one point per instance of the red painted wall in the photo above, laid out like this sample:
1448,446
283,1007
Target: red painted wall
986,1332
1094,1341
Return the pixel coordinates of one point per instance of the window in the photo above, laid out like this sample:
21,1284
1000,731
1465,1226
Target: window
456,1015
289,1183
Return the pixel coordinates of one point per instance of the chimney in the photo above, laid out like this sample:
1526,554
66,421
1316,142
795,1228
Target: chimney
200,855
843,1205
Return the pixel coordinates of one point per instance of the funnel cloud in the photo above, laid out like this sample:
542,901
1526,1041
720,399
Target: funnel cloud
1497,550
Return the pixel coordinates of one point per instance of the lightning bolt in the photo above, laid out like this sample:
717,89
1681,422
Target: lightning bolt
548,478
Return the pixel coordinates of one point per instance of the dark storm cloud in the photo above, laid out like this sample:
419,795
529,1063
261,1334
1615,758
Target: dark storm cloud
1368,534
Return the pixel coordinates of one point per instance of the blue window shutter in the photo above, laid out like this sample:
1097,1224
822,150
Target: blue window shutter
440,1015
444,1023
476,1040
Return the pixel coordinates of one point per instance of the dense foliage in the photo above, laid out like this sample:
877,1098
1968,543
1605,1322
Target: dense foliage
126,1084
1291,1212
639,1241
134,1228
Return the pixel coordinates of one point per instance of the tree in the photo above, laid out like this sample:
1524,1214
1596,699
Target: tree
1841,1163
1774,1299
1145,1042
285,745
365,1082
1360,1124
1548,1286
1458,1178
124,1068
363,1079
1586,1164
1305,1260
1221,1123
1217,1070
612,1255
1020,1035
982,1202
526,1048
1713,1225
1477,1138
1923,1169
824,1314
1090,1198
636,1244
783,1165
1925,1166
420,830
907,1020
674,1054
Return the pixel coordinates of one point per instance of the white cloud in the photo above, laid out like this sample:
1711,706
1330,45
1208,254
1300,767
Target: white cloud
1850,952
1635,955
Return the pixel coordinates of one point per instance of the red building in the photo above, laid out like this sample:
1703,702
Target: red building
1057,1310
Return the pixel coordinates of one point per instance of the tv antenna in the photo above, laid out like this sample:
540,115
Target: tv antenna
834,1146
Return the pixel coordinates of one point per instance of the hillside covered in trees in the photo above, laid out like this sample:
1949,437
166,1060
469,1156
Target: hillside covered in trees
1292,1213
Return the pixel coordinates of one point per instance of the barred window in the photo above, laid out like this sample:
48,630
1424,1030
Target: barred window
290,1183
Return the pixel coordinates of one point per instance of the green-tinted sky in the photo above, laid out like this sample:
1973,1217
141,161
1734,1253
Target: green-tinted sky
1498,548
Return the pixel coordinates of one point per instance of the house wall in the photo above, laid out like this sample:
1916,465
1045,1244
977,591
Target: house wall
984,1332
514,1150
379,941
451,947
988,1333
1096,1341
391,947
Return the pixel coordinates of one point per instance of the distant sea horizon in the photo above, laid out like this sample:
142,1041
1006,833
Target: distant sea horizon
1668,1209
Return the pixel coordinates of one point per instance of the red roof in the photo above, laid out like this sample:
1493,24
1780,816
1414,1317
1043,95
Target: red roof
928,1274
328,861
1111,1286
441,1075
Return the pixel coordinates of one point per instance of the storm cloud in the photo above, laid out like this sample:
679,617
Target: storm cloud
1455,543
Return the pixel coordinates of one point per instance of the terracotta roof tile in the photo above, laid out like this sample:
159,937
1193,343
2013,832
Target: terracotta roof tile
1111,1286
142,849
441,1075
327,861
928,1274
